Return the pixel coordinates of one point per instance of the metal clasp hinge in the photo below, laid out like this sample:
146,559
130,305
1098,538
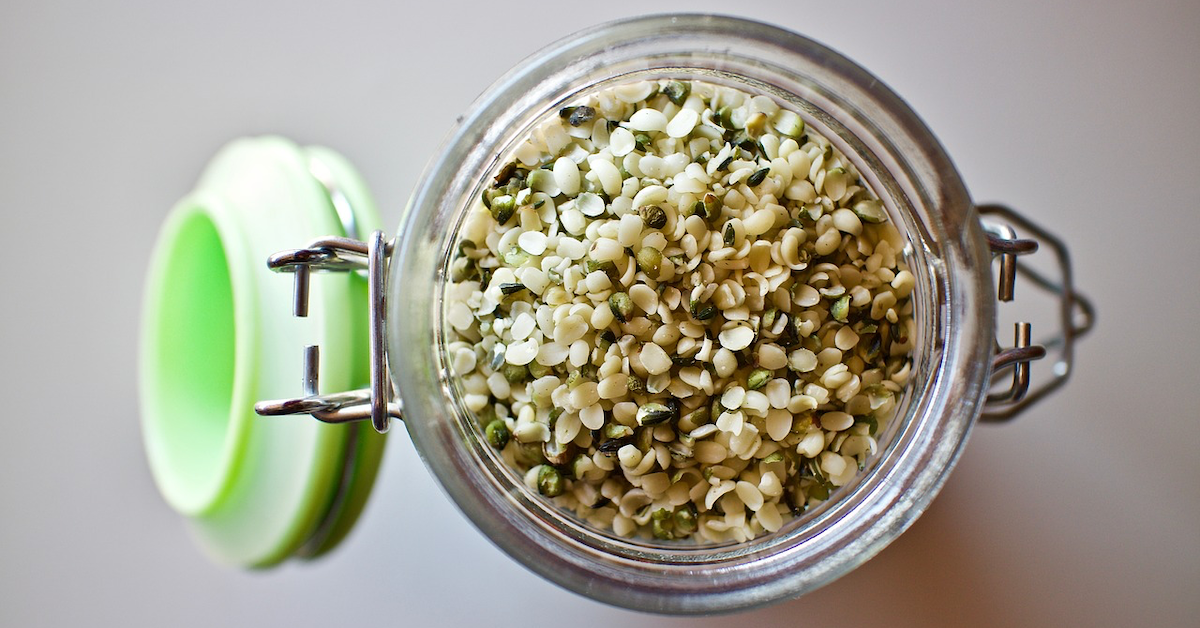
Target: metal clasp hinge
1075,312
377,403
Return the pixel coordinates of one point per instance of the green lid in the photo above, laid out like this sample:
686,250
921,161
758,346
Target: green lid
218,335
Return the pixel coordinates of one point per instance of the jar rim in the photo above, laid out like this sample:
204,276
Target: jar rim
923,187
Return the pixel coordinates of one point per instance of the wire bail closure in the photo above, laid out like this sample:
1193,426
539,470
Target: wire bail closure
1004,243
378,403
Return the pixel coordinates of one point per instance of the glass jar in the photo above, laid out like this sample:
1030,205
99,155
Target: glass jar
955,351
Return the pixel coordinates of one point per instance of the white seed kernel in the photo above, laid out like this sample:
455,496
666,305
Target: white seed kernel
648,120
683,123
736,338
802,360
655,359
592,417
521,353
771,357
836,421
566,175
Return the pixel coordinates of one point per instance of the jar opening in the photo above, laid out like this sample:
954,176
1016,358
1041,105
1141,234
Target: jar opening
813,520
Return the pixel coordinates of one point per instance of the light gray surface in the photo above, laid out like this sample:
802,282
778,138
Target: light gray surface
1084,512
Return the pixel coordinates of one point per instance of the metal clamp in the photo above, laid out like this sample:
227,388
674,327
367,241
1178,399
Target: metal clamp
377,403
1075,312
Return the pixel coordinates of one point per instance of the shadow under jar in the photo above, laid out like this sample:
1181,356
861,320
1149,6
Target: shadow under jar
954,310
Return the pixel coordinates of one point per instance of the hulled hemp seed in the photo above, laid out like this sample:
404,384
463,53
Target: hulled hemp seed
680,313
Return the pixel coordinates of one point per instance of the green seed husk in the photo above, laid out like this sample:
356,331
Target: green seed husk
703,311
660,527
654,413
511,288
653,216
528,454
758,177
686,519
680,452
497,434
581,115
508,172
724,116
677,92
872,347
538,371
742,140
556,453
644,440
605,340
611,446
514,373
549,481
649,260
869,211
682,360
768,319
621,306
758,378
616,430
515,257
775,457
503,208
497,360
606,266
712,206
840,309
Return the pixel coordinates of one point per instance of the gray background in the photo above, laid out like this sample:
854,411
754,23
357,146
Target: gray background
1084,115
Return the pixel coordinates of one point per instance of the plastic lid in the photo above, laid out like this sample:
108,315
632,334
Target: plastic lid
218,335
